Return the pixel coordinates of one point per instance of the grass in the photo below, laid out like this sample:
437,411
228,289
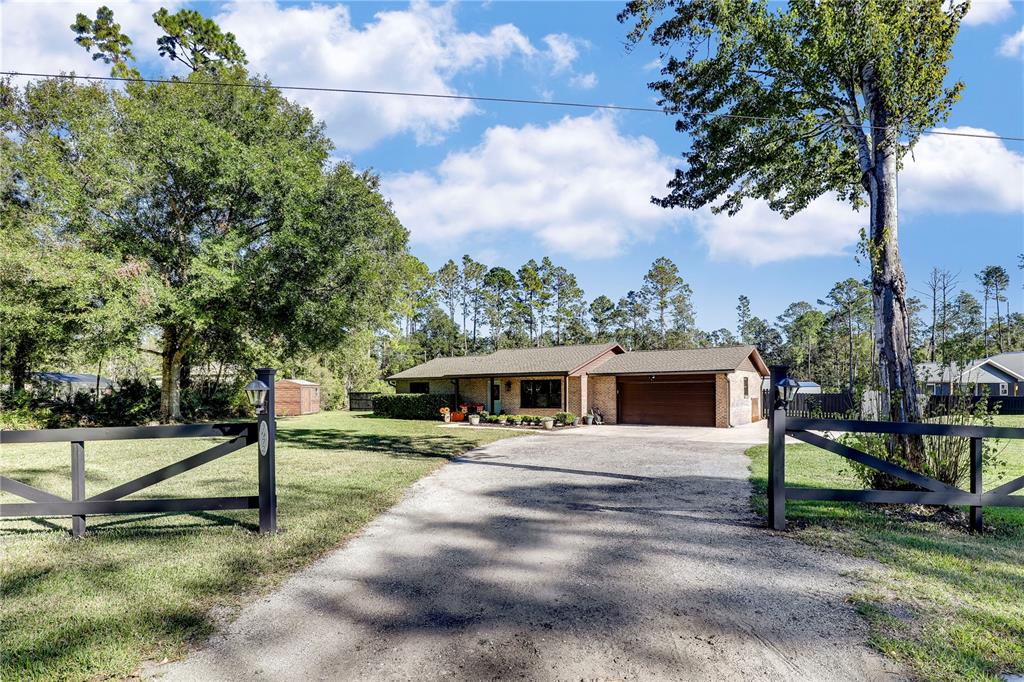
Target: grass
947,604
141,588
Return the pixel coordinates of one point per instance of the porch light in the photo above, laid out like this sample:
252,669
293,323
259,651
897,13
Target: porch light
257,391
788,388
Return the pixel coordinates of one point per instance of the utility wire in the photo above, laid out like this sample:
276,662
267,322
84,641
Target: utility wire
478,98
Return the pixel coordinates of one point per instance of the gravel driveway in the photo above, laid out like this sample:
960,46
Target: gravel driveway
609,552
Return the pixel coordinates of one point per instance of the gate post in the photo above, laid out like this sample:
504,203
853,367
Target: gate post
776,450
976,451
777,470
267,431
78,485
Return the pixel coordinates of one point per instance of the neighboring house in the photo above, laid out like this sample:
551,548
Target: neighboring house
998,375
700,387
66,384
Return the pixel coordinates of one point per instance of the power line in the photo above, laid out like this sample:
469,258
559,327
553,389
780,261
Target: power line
480,98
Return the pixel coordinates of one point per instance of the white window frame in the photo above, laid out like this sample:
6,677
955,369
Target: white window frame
1004,389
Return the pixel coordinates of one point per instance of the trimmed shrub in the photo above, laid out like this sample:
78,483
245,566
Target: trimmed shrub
565,418
411,405
514,419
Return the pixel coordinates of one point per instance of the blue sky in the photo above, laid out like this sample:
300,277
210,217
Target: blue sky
506,183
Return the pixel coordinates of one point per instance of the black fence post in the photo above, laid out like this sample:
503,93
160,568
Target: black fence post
776,450
267,466
976,514
777,470
78,485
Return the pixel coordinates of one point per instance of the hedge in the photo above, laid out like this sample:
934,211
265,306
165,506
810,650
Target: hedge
412,405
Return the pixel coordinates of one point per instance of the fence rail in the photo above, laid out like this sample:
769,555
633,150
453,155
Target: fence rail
43,503
930,491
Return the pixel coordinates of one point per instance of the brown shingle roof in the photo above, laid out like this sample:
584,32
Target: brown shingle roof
553,360
725,359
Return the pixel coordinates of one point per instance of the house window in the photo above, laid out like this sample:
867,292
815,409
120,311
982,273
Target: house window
1004,389
540,393
419,387
746,387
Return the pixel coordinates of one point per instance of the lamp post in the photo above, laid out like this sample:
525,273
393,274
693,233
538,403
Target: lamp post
261,395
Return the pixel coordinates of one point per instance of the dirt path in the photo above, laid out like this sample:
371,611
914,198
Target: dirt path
601,553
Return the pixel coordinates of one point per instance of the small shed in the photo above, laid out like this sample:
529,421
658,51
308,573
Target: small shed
296,396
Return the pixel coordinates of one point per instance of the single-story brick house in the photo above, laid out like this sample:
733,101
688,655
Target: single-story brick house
698,387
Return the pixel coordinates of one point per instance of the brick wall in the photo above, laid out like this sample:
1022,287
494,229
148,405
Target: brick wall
473,391
601,396
577,403
440,386
721,401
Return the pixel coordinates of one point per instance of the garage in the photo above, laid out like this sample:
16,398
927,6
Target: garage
717,387
680,400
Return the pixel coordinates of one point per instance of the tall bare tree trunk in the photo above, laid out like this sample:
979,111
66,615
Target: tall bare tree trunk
889,292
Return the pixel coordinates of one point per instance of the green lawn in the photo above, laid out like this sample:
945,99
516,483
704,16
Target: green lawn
947,604
142,587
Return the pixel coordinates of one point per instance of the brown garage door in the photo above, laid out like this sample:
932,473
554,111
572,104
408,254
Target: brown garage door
666,399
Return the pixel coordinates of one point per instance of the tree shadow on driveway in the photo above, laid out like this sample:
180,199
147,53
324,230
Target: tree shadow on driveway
550,572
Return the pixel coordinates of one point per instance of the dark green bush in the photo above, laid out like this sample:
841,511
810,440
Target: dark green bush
411,405
565,418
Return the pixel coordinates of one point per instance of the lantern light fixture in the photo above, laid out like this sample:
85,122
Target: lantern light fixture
257,391
788,388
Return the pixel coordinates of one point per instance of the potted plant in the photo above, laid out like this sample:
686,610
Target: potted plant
548,423
474,419
446,414
588,419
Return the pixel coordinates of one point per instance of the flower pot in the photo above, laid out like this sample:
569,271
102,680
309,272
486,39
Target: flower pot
548,423
458,416
588,420
474,419
576,421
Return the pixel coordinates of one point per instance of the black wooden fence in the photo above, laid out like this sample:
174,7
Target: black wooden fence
361,400
834,405
931,491
43,503
1004,404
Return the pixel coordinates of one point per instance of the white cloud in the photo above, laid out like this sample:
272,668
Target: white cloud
759,235
987,12
37,37
561,51
584,81
578,185
950,174
415,49
946,174
1013,46
653,65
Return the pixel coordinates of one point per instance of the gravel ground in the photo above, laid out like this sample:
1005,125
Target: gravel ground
608,553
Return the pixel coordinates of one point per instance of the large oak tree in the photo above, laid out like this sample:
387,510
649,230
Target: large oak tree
217,184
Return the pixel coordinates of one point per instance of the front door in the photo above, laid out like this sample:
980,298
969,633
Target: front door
495,397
